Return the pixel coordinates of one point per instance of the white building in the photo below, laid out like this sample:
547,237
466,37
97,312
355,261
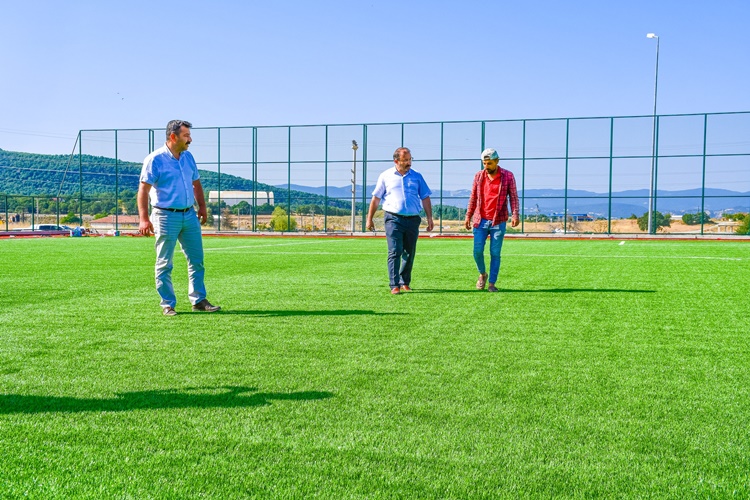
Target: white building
232,198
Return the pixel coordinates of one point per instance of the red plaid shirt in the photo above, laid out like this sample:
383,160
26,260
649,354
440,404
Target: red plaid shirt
508,191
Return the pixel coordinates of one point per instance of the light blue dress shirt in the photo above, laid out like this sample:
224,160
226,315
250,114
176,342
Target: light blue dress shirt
401,194
171,178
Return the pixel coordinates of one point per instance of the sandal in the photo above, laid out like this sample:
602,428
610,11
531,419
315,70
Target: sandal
482,281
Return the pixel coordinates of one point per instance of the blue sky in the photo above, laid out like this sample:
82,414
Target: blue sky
90,64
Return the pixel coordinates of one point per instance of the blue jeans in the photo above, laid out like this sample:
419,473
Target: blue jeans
496,234
169,228
401,233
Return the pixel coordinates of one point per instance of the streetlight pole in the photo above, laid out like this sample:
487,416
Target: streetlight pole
652,193
354,183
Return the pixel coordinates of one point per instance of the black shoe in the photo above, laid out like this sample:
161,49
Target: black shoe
205,306
169,311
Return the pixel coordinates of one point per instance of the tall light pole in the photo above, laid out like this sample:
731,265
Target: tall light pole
652,193
354,183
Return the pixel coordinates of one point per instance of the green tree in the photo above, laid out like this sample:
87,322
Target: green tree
660,220
71,218
228,219
743,228
738,216
280,221
692,219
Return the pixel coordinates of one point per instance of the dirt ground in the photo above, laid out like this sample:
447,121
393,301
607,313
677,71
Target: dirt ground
338,223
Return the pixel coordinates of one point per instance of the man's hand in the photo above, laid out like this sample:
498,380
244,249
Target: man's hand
370,224
202,215
430,224
514,221
146,228
467,224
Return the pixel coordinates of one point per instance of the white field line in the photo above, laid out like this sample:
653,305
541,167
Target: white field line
669,257
468,254
224,249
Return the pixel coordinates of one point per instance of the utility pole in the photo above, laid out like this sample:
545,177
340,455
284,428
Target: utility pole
354,184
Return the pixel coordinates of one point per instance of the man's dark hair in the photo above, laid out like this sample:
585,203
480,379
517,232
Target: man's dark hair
397,153
174,126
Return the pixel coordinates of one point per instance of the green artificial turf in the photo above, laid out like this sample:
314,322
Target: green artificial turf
600,370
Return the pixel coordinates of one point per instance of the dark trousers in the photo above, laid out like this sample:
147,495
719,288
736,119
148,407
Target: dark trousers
402,233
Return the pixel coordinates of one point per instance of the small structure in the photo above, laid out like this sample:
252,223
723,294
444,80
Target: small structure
232,198
108,223
725,226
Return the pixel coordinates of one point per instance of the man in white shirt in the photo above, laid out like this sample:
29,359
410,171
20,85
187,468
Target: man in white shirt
404,193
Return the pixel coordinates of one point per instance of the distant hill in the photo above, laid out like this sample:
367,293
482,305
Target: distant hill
548,201
31,174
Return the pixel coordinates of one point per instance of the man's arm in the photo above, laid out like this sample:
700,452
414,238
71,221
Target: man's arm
199,197
472,203
427,205
371,212
514,205
144,226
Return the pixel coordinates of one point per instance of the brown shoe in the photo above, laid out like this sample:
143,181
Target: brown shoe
205,306
492,288
405,288
169,311
395,290
482,281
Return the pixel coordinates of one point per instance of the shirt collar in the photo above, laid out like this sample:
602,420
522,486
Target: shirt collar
170,152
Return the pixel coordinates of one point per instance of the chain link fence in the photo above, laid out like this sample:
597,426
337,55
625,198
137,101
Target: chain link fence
574,175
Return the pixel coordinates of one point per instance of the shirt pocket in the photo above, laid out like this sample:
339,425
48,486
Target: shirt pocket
411,187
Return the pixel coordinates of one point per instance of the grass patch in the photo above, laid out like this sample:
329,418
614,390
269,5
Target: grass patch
599,370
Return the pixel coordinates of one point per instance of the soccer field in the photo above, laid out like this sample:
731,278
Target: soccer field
600,369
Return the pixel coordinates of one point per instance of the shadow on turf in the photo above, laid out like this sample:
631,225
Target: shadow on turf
293,312
201,397
542,290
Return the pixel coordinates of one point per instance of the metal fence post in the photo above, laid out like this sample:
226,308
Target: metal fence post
609,194
289,178
117,187
325,197
523,178
218,174
364,173
442,147
656,173
255,179
703,181
565,193
80,177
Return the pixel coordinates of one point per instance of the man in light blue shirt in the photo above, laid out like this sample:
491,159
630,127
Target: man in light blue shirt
172,173
404,193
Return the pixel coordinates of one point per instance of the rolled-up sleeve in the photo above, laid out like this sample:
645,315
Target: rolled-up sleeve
149,172
379,190
424,189
513,195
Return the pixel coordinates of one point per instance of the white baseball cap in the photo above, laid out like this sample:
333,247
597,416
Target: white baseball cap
489,154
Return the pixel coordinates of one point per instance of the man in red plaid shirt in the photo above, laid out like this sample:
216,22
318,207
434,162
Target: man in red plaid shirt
487,214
